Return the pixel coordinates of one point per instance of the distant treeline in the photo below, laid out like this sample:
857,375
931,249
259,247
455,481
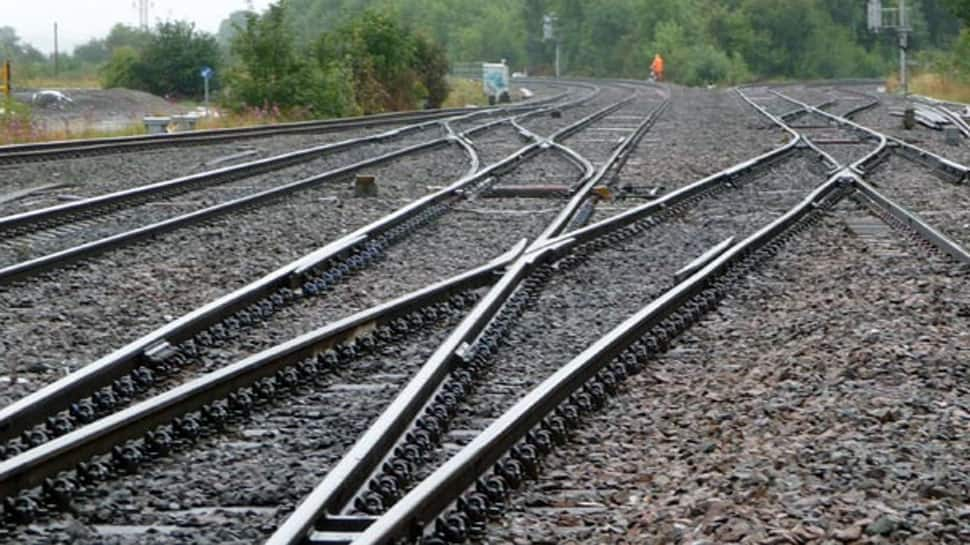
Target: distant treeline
703,40
339,57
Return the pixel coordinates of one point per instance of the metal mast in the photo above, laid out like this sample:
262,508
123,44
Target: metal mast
903,46
144,19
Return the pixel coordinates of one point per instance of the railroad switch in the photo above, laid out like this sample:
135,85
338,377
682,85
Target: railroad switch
365,186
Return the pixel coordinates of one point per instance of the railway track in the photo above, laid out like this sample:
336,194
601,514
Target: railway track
476,278
506,361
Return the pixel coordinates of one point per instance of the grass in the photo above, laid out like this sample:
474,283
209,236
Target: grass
21,130
17,127
66,82
465,92
934,85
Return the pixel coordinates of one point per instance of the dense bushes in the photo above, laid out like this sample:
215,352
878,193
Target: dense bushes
369,64
168,64
704,40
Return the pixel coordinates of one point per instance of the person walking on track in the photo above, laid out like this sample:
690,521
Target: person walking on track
657,68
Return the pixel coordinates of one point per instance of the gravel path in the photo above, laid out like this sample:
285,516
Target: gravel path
822,403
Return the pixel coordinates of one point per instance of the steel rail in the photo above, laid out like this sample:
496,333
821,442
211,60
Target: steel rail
34,152
32,467
415,512
914,222
52,398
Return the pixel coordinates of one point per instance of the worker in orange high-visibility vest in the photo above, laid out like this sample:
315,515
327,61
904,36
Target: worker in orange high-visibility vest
657,68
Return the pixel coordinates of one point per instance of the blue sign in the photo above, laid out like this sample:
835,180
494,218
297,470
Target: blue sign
207,73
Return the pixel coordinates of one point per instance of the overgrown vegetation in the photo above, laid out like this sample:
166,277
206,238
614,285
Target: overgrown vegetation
717,41
368,64
167,62
346,57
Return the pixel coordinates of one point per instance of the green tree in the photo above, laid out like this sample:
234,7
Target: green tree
960,8
122,70
127,36
271,71
95,51
431,64
173,59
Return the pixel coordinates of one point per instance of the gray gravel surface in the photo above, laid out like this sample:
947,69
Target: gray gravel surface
238,486
546,167
70,318
497,143
581,304
689,142
822,403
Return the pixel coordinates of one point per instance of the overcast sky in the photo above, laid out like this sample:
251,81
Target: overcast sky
81,20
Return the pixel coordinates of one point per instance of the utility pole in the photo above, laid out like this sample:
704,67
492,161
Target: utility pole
903,46
144,18
56,52
551,32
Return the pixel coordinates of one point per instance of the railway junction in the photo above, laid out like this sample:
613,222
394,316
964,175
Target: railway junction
617,312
